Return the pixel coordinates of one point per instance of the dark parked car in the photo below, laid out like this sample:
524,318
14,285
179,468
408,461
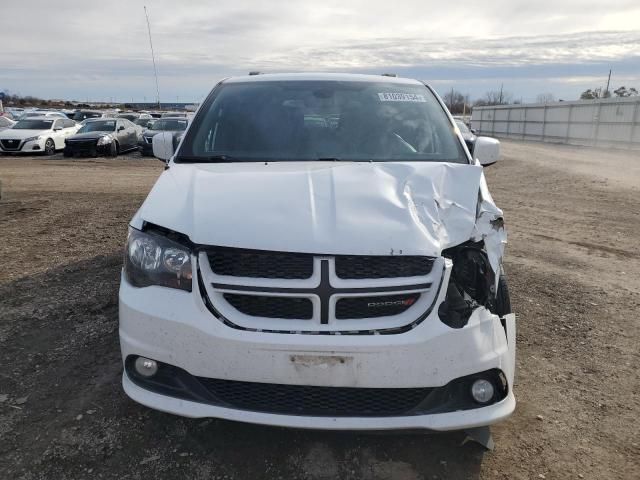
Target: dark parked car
131,116
176,125
144,122
103,136
468,136
84,114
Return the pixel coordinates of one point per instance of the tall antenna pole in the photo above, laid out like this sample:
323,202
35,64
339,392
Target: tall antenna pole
606,92
153,58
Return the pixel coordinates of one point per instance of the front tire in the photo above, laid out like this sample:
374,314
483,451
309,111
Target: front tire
49,147
113,150
503,299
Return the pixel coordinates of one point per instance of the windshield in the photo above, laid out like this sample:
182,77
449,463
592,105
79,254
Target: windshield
128,116
463,128
33,125
143,122
103,126
169,125
321,120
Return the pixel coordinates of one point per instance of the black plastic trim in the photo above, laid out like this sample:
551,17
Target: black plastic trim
262,397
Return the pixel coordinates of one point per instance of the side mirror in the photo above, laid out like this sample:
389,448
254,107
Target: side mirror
57,129
163,146
120,128
486,150
474,131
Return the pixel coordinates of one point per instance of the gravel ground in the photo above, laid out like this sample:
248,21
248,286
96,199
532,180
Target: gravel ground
573,216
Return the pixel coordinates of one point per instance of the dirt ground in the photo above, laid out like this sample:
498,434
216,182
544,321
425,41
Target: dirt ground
573,216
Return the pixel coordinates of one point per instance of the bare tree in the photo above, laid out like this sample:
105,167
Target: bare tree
457,102
545,98
495,97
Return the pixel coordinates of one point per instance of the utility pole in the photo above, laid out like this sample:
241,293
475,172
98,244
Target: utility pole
500,101
451,101
606,92
153,58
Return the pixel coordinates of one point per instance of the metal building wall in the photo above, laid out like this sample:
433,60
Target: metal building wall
611,122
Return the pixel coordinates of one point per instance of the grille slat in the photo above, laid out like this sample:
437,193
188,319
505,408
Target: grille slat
369,266
271,307
316,401
375,306
82,143
238,262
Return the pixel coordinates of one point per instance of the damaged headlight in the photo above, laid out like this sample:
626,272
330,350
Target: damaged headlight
106,140
471,284
153,259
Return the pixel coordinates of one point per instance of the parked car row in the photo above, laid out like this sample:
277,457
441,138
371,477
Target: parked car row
95,134
17,113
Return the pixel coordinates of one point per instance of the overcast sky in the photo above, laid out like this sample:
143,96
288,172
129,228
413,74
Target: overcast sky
100,50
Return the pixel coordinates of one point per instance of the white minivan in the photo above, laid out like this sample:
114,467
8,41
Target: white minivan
321,251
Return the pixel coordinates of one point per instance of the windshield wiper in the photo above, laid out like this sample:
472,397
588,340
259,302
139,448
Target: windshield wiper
209,159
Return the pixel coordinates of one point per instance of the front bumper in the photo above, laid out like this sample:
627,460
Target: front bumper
87,149
34,146
145,147
461,420
175,327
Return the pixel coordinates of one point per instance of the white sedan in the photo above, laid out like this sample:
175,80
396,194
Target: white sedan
37,135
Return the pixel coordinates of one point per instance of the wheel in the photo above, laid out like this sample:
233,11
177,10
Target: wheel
114,149
503,300
49,147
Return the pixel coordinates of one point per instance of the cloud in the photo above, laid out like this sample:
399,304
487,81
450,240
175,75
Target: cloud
90,49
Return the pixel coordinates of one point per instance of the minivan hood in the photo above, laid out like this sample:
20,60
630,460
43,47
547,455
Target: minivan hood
358,208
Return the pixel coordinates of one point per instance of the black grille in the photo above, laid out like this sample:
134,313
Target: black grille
82,144
239,262
362,266
315,401
271,307
376,306
10,144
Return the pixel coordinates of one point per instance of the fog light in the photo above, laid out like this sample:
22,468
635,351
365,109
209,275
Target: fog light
482,391
146,367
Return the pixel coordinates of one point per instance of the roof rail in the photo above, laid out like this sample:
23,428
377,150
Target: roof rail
255,72
389,74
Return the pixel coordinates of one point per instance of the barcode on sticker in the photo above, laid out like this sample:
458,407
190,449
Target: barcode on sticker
401,97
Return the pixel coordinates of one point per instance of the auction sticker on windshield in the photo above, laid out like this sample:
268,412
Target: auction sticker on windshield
401,97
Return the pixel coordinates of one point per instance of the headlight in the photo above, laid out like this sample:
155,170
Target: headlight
106,140
31,139
152,259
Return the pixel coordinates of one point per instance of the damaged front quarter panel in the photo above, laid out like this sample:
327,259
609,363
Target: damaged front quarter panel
476,272
489,228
